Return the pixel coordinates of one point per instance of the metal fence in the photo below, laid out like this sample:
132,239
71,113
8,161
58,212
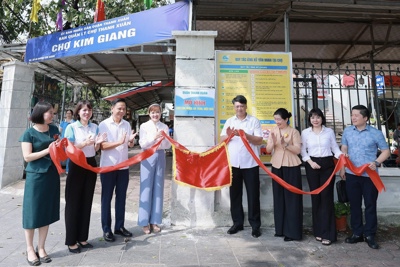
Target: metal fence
336,89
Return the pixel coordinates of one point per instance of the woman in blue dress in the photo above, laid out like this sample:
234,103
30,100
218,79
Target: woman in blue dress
41,204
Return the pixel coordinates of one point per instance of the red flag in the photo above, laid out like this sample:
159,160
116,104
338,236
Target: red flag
100,13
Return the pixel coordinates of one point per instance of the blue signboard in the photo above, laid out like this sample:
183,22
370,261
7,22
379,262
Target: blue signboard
380,84
194,102
139,28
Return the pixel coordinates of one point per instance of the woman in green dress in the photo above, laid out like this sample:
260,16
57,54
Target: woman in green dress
41,205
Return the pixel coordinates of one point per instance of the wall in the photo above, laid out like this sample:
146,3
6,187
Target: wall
14,112
195,69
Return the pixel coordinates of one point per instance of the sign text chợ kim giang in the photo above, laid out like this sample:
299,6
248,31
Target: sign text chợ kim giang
101,38
112,34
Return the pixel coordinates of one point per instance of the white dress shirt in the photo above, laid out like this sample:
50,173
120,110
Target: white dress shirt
147,134
238,154
110,157
319,145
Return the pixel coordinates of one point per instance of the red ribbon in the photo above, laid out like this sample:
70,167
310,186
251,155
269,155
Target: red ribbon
65,149
209,170
343,161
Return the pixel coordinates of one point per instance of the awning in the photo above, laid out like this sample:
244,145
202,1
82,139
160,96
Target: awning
143,96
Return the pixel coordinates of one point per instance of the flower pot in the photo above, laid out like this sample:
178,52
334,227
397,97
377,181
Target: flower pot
341,224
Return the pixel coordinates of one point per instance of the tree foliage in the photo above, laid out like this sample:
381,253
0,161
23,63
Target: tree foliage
16,27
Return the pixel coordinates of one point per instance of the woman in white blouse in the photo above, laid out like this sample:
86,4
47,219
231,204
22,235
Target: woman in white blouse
152,172
318,143
80,184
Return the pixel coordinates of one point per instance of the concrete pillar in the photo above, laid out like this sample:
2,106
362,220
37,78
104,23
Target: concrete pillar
15,99
195,69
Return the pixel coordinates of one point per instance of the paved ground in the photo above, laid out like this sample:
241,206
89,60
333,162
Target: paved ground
179,246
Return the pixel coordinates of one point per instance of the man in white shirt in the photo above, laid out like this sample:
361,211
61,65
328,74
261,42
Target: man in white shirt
113,151
244,167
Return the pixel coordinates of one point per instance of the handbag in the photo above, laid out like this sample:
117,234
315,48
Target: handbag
341,191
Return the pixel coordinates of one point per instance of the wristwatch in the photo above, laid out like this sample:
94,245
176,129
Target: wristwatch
377,164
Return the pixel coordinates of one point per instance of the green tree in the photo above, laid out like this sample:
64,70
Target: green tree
15,24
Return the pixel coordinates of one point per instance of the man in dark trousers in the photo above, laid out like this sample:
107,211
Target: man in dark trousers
360,142
244,167
113,151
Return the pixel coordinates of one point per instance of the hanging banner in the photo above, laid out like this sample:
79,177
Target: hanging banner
148,26
265,79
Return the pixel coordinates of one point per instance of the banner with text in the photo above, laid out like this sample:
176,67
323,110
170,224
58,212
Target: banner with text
194,102
143,27
265,79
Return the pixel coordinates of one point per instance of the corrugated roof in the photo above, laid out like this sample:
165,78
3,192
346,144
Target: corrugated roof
320,31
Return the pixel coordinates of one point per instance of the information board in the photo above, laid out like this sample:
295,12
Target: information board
264,78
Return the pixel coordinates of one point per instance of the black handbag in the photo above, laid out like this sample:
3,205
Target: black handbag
341,191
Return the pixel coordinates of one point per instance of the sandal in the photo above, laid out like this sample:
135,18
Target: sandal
326,242
318,238
146,230
155,228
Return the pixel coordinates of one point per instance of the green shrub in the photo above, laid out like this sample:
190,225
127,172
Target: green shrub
341,209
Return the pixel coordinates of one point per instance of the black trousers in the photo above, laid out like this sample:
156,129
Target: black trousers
79,190
359,187
288,206
323,213
251,179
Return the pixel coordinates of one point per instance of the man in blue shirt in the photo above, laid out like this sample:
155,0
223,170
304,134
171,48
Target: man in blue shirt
360,142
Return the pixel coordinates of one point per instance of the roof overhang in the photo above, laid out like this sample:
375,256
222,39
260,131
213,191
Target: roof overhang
332,32
143,96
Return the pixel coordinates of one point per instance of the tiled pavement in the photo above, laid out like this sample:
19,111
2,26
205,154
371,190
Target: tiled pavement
179,246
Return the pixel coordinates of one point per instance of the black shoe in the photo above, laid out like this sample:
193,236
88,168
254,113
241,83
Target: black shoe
35,262
45,259
288,239
354,239
87,245
234,229
255,233
74,250
109,237
122,231
371,242
278,235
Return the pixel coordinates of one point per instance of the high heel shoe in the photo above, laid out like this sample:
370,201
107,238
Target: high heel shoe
74,250
45,259
35,262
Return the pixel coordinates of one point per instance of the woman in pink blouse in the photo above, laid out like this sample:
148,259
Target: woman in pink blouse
285,142
318,143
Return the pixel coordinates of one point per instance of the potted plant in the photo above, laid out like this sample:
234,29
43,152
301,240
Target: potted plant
341,212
